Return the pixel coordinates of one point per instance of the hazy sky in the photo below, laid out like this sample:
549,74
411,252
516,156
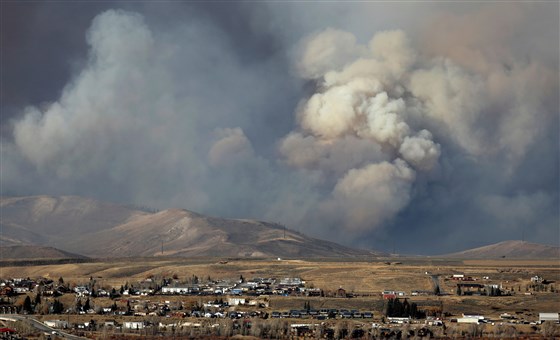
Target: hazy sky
433,127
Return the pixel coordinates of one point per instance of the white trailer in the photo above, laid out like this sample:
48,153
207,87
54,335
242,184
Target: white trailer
554,317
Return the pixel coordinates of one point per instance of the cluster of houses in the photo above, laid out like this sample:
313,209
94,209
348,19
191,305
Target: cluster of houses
302,326
255,286
17,286
45,286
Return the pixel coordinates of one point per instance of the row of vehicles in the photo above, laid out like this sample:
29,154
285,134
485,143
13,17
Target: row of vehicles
323,314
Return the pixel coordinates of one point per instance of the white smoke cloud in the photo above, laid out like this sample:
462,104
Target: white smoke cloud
331,157
420,150
392,48
454,98
371,195
361,103
384,120
232,146
74,136
327,50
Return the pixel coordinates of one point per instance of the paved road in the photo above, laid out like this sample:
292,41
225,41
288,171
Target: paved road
435,280
38,325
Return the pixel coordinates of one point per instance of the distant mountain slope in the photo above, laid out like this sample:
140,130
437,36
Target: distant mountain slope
49,220
99,229
34,252
510,249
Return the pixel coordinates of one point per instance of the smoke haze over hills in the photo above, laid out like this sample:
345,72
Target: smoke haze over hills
432,126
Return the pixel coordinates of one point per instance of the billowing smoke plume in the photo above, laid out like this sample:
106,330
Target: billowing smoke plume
435,130
387,102
363,116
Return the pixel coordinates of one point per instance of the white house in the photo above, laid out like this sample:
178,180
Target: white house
470,319
467,320
292,281
56,324
399,320
81,290
549,317
133,325
537,279
175,290
234,301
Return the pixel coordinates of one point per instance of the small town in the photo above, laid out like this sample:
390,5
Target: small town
289,307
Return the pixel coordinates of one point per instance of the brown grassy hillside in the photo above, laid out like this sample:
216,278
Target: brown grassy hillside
34,252
510,249
100,229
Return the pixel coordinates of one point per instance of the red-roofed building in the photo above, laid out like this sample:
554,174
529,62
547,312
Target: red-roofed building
7,330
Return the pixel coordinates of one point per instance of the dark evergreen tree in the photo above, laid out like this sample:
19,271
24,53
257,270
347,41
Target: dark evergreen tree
397,308
405,309
26,308
87,305
390,308
414,310
58,307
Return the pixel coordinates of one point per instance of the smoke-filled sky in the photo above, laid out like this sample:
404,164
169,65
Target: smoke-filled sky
428,127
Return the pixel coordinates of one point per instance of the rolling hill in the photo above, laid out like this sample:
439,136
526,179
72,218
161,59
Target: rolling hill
99,229
510,249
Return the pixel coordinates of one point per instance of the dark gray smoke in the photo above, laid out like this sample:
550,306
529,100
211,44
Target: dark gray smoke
431,126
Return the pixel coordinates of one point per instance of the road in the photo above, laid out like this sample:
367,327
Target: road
38,325
435,280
